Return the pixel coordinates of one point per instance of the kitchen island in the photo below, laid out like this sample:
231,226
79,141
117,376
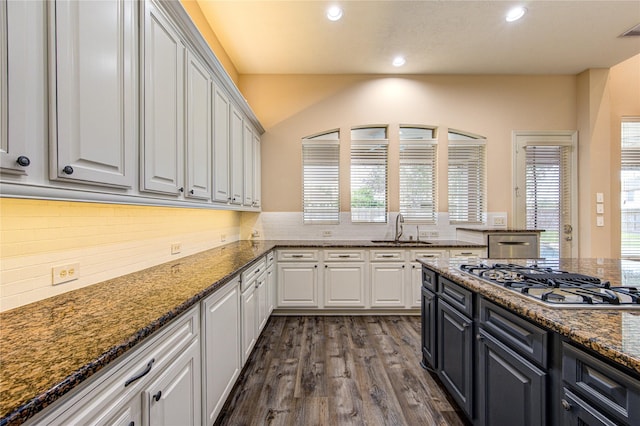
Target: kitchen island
572,362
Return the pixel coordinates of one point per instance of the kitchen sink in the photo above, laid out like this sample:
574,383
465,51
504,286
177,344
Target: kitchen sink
402,242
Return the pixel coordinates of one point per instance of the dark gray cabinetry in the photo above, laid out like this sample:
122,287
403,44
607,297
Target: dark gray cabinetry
429,311
455,354
512,381
429,320
597,393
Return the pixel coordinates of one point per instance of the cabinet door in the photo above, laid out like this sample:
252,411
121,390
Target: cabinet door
174,397
298,285
506,376
271,289
249,321
344,284
577,412
415,285
455,354
262,302
220,362
221,157
199,142
237,142
257,177
387,284
130,414
249,165
429,311
94,83
163,105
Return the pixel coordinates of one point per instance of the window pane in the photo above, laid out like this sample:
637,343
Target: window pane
416,133
320,170
630,187
418,181
368,182
369,133
467,183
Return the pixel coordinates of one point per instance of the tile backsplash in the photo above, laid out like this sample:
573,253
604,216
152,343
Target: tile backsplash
106,240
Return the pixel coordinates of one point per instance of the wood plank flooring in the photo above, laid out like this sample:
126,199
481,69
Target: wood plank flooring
338,370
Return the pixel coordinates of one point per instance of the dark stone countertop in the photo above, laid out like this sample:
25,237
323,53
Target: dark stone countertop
615,334
49,347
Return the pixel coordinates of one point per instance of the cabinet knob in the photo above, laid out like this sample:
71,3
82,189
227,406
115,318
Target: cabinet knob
326,266
67,170
132,424
181,189
315,266
480,338
565,405
23,161
191,192
157,396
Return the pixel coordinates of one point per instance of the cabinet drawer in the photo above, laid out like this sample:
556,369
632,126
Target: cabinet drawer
519,334
577,412
429,279
604,386
377,255
252,273
457,296
284,255
428,254
344,255
271,257
465,253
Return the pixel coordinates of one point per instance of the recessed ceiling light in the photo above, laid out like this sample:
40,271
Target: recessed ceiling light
334,13
399,61
516,13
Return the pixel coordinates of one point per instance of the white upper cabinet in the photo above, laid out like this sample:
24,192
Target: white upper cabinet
248,165
93,79
199,140
221,157
257,170
237,142
163,142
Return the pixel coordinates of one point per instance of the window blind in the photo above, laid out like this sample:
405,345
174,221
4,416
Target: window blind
418,173
369,181
467,182
548,192
630,188
320,174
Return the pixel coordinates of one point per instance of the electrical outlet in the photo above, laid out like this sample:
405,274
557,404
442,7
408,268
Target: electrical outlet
176,248
327,234
433,234
223,238
424,234
499,221
255,234
65,273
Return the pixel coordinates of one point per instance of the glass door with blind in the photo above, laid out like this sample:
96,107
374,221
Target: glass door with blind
630,188
545,182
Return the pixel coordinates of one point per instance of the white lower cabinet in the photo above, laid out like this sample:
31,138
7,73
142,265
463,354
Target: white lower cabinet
157,384
271,283
249,329
174,398
343,284
297,278
387,284
221,363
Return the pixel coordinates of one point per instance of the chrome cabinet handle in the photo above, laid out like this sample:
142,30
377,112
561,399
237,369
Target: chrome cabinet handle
142,374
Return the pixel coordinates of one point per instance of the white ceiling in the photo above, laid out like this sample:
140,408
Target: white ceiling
437,37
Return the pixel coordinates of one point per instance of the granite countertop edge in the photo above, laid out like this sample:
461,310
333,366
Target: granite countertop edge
33,405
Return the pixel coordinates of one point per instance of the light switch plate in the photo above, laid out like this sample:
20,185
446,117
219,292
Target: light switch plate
599,220
600,208
599,197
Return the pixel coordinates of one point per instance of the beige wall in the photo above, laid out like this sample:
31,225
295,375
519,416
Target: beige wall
193,9
292,107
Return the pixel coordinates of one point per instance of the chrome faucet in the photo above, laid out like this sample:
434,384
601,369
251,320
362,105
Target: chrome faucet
399,228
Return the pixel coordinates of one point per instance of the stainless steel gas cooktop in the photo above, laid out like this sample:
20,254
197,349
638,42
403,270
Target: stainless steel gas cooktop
557,288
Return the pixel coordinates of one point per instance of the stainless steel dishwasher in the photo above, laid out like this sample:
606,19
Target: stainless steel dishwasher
514,246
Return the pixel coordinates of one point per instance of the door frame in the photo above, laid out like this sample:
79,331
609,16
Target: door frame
521,138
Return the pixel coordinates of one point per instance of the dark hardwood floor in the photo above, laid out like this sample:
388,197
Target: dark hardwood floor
338,370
